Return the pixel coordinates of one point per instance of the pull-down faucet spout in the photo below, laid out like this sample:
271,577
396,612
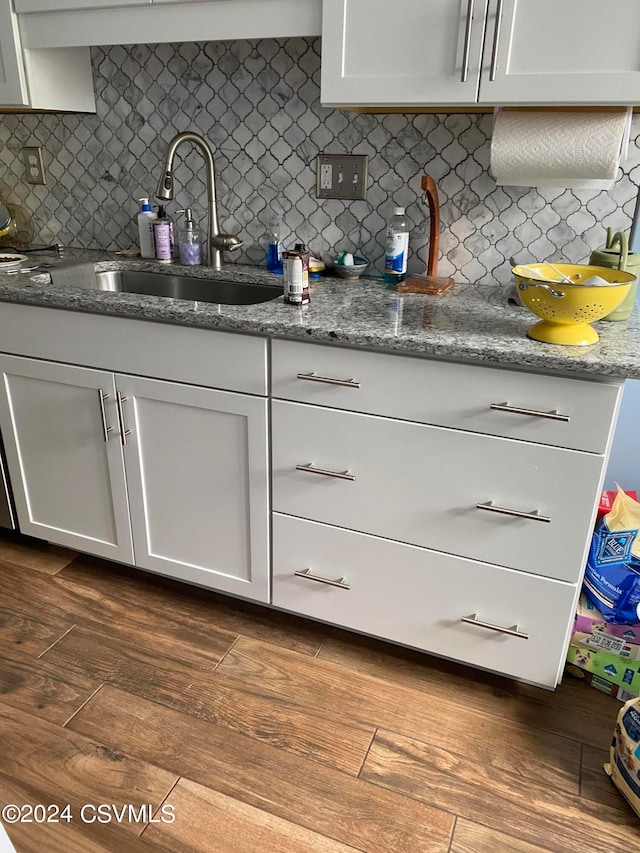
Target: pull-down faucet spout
216,241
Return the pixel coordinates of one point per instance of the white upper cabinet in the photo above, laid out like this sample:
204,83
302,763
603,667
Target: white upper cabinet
577,51
70,5
13,85
42,79
406,53
69,23
465,52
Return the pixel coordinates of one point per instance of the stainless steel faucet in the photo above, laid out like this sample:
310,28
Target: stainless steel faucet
217,242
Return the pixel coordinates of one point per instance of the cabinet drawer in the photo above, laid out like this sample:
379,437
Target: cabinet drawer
422,484
447,394
204,357
419,598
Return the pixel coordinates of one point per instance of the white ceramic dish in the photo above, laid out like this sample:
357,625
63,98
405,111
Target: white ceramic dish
10,260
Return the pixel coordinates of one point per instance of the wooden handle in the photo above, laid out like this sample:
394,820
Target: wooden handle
431,195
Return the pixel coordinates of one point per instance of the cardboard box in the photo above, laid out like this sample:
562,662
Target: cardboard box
599,641
598,683
619,671
589,620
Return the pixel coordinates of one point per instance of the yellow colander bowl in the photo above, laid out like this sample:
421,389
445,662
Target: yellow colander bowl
567,309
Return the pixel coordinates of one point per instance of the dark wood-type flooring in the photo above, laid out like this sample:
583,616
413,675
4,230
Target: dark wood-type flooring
266,733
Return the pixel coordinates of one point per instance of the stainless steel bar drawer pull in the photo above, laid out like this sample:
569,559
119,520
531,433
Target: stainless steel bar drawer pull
340,475
513,631
306,573
534,515
496,40
105,429
328,380
120,399
553,415
467,42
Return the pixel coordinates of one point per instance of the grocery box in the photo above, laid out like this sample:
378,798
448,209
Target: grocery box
601,642
606,501
599,683
619,671
589,620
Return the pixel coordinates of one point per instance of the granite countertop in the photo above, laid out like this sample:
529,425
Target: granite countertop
472,322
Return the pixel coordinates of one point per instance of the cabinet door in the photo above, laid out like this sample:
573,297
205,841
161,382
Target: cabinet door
42,79
577,51
407,53
13,86
59,425
196,463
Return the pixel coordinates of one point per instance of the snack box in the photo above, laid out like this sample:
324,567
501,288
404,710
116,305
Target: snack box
619,671
600,642
599,683
589,620
606,501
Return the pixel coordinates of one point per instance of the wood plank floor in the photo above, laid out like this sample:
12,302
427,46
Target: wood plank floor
224,727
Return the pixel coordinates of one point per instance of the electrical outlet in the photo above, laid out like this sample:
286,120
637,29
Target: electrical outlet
32,157
341,176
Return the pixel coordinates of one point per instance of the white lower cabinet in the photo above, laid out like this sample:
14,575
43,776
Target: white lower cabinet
447,507
424,599
168,477
196,465
59,426
517,504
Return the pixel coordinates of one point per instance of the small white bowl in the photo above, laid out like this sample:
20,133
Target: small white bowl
351,271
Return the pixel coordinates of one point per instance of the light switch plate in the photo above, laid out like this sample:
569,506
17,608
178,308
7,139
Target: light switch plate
32,157
341,176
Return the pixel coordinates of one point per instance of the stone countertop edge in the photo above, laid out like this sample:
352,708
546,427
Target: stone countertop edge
472,322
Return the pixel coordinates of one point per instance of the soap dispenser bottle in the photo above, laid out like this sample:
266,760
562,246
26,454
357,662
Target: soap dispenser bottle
163,236
146,218
189,241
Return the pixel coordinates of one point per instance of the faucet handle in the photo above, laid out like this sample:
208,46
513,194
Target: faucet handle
226,242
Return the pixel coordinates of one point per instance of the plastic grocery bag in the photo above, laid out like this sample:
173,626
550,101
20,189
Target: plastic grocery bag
612,576
624,755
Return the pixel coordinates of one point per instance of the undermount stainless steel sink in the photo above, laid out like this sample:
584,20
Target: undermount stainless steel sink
186,287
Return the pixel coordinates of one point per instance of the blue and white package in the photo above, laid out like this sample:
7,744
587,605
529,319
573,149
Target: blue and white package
612,576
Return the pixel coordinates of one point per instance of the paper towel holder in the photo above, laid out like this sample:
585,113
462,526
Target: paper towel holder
626,134
575,147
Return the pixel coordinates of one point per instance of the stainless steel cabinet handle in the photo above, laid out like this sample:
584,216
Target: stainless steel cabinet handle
328,380
534,515
306,573
553,415
467,43
513,631
120,399
105,429
496,39
340,475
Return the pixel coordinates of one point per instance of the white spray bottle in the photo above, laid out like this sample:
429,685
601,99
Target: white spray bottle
146,218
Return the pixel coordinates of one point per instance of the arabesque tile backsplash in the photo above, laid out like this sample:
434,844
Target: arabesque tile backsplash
258,104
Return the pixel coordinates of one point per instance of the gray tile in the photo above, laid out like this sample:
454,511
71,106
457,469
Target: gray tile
258,104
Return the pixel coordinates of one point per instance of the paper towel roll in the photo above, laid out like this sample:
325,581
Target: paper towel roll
557,149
